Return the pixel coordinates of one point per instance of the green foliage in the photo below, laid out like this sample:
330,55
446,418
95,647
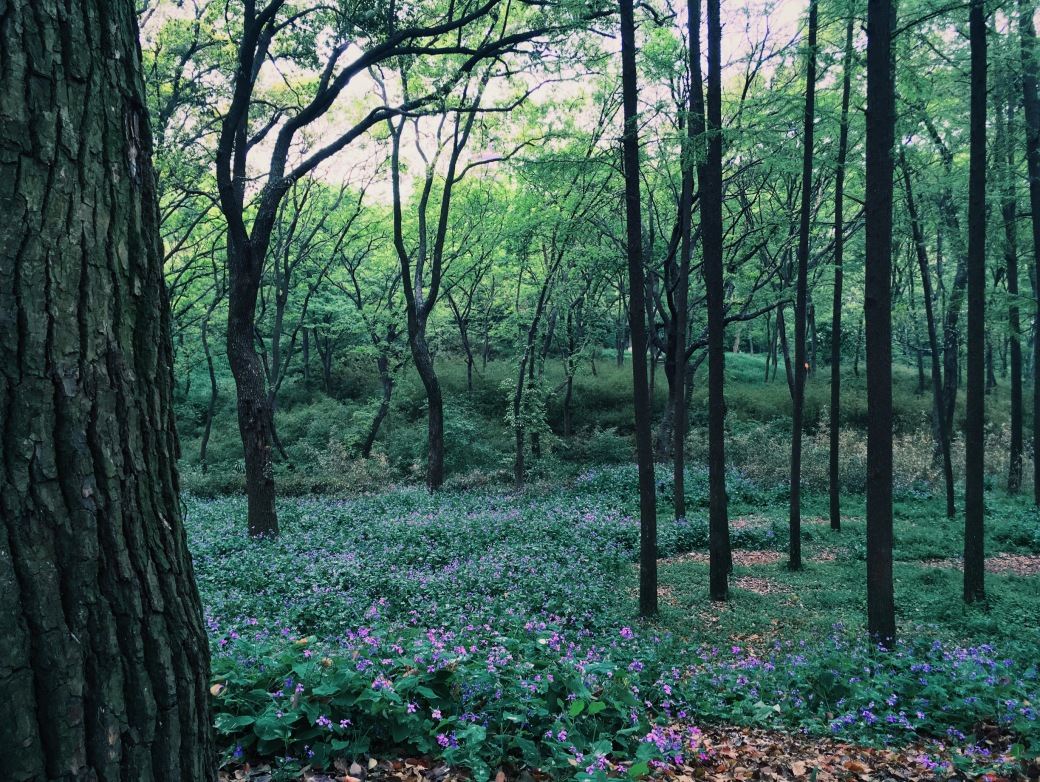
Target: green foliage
481,626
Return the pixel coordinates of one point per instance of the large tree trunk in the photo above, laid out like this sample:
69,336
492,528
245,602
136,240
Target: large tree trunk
839,272
637,320
105,664
881,622
974,429
801,295
1031,104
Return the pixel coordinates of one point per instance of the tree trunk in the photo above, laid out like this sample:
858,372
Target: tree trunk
637,319
212,407
991,374
881,622
974,562
770,343
801,295
1031,104
680,325
386,380
939,427
859,346
781,327
105,660
839,276
720,561
254,403
435,412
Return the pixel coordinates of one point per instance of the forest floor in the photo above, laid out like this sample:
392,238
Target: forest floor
731,754
483,633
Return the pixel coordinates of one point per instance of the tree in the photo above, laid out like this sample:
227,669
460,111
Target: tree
421,292
252,117
801,366
933,339
719,562
1031,104
974,430
105,659
693,153
839,272
881,622
1009,214
637,319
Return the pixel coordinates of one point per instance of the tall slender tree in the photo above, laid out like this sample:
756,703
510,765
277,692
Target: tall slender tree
933,338
881,621
801,365
974,429
1031,105
839,274
692,157
637,318
104,663
720,563
1009,213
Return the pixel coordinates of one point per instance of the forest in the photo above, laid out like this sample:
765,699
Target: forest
521,390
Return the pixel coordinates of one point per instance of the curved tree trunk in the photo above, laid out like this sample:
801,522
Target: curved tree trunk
105,660
387,382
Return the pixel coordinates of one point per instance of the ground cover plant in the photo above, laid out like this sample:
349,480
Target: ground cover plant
495,630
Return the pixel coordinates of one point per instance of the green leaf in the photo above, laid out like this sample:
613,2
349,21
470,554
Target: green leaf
640,769
268,727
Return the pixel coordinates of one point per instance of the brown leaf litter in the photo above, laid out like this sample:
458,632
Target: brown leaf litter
726,754
1003,564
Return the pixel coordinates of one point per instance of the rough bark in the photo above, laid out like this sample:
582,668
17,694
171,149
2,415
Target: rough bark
104,655
637,320
878,317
